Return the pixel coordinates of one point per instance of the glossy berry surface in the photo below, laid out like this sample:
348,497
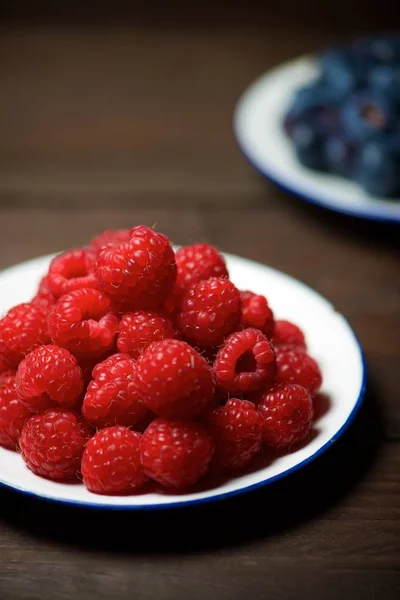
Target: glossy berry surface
210,311
245,362
175,453
287,412
111,462
174,381
236,430
52,444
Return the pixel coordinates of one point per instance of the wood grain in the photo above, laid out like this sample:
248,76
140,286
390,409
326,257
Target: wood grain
110,127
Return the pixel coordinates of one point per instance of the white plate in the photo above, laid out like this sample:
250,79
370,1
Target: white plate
258,128
326,331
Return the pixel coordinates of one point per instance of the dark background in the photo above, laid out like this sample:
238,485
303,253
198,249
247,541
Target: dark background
114,114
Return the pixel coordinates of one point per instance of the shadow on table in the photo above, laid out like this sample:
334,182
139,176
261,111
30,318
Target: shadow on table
266,512
377,233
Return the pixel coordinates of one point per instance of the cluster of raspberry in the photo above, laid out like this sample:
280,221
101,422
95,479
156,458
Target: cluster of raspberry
134,363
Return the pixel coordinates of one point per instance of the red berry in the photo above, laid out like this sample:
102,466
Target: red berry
84,323
109,237
198,263
140,273
288,334
139,329
174,380
112,397
210,311
13,412
245,363
111,462
23,328
176,453
44,297
52,443
50,371
294,365
287,412
4,367
256,313
68,272
236,429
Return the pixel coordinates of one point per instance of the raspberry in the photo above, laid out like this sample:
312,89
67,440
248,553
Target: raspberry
140,273
139,329
50,371
112,397
84,323
68,272
245,363
210,311
23,328
294,365
236,429
4,367
176,453
111,461
13,412
287,411
109,237
288,334
52,444
44,297
256,313
174,380
198,263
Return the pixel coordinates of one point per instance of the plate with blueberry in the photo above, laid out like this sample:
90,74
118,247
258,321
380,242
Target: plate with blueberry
138,375
326,128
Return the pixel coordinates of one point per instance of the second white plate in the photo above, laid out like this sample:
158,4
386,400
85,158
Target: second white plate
258,129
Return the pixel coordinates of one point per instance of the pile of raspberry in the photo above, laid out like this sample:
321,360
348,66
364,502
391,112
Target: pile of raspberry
135,364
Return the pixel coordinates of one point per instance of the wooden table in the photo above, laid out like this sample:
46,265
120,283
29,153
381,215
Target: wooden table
113,127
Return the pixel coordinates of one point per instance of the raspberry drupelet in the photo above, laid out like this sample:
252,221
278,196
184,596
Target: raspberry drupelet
14,412
140,273
109,237
23,328
288,334
174,381
236,430
68,272
111,462
294,365
51,373
44,297
176,453
112,397
52,444
84,322
257,313
245,363
287,412
198,263
210,311
139,329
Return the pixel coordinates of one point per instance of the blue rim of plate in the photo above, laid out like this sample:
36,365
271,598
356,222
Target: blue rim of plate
293,191
223,495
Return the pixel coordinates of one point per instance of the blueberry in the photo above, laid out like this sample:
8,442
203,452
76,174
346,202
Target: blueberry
315,102
365,114
309,143
378,168
343,70
339,155
386,49
386,80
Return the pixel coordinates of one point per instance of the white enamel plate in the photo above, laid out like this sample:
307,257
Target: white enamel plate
326,332
258,128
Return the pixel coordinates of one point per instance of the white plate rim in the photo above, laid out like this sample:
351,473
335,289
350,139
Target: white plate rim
375,209
222,495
